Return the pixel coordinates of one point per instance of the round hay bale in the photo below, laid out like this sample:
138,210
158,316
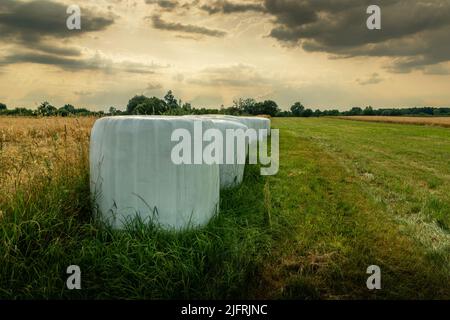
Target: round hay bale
256,123
133,175
231,174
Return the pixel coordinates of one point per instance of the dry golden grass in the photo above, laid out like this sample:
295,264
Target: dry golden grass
429,121
35,149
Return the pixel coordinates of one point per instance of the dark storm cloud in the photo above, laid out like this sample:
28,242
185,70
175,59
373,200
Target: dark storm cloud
47,59
53,49
30,22
226,7
74,64
161,24
413,32
40,27
38,30
211,7
154,86
165,4
372,79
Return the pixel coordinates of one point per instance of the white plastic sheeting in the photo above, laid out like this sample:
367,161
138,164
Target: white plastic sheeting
132,174
231,174
266,124
256,123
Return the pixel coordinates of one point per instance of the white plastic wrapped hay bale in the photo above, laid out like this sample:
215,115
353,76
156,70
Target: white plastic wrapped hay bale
249,122
132,174
265,124
231,174
251,140
256,123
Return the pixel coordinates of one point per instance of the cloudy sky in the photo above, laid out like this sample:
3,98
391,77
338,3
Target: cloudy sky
319,52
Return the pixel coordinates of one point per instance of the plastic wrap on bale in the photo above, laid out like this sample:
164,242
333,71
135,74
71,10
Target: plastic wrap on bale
132,174
231,174
255,123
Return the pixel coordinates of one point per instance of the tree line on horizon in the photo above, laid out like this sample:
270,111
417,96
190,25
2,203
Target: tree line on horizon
169,105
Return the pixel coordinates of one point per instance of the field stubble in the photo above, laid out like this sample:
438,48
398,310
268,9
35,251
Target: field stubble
429,121
35,150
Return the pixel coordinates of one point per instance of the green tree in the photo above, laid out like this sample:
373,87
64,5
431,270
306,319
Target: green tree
112,111
307,113
297,109
134,102
170,100
66,110
368,111
355,111
21,112
46,109
245,105
3,106
268,107
151,106
187,106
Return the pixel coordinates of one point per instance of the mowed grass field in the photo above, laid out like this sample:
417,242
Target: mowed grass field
429,121
348,195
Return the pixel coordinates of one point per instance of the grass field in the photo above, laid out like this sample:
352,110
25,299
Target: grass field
349,194
430,121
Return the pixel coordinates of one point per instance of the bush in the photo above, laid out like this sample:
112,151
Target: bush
146,106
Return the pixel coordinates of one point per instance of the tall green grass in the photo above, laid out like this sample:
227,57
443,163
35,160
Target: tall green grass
48,228
360,194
